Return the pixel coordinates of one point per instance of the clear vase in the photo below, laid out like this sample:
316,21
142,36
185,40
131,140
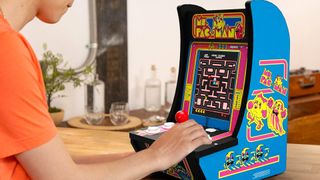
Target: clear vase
152,96
94,101
170,89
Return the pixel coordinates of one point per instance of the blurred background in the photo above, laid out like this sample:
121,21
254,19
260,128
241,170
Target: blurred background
133,35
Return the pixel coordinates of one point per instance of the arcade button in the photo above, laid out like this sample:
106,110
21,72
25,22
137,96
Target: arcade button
153,129
211,130
168,125
181,117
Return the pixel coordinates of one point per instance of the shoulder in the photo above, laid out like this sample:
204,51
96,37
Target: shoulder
12,44
15,55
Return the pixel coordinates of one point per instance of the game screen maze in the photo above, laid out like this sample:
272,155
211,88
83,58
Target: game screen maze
215,82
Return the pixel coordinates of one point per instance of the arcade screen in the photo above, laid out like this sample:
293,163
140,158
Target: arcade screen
215,83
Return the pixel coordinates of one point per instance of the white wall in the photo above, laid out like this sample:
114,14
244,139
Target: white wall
154,32
304,25
153,37
68,37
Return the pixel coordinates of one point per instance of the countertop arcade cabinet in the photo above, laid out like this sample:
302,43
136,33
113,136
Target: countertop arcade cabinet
233,80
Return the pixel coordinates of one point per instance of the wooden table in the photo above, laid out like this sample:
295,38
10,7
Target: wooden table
305,130
90,142
303,160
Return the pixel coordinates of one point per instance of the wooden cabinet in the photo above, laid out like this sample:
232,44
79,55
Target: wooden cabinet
304,82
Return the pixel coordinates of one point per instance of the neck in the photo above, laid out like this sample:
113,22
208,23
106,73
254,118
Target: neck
18,12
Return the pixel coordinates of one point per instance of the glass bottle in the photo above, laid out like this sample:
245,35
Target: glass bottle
170,88
152,96
94,101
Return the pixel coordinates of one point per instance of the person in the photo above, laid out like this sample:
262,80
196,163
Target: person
30,145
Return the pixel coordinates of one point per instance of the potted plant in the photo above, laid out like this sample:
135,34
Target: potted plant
55,79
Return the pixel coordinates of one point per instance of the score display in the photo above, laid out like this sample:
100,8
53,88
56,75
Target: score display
215,82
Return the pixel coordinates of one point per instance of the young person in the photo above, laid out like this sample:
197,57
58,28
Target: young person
30,146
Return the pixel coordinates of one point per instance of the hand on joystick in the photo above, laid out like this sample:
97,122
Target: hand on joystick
181,116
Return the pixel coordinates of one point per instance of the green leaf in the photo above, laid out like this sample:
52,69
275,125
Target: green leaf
54,79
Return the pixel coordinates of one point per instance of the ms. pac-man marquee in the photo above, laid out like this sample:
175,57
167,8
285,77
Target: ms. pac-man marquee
233,80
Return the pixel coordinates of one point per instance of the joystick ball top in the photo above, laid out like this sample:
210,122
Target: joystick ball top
181,117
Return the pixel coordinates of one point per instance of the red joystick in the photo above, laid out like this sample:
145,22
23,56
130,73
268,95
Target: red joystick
181,117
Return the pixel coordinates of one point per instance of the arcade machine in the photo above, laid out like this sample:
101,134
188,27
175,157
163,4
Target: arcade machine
233,80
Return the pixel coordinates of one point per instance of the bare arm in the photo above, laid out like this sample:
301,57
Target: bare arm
52,161
100,158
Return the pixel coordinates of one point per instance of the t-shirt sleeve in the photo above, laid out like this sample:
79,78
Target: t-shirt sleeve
24,119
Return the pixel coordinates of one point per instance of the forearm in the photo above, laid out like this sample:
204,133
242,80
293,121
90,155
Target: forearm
135,166
100,158
52,161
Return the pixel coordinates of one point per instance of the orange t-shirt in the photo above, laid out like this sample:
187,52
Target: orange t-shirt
24,119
